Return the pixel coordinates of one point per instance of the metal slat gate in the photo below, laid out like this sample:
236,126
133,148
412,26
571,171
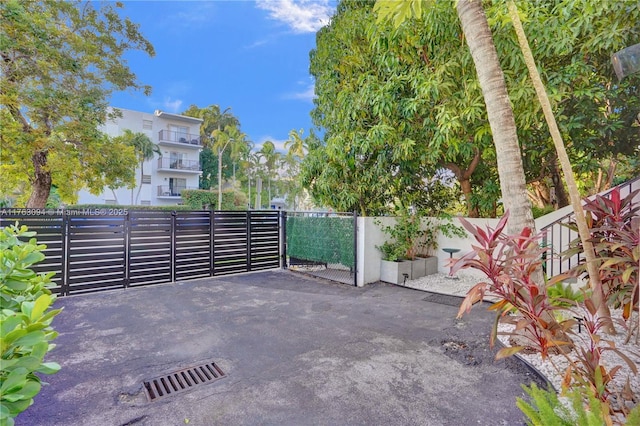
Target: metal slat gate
90,251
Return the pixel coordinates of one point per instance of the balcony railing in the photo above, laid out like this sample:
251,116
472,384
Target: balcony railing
172,191
185,165
179,137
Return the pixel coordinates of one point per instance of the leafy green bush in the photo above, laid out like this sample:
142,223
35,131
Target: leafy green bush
200,199
321,239
25,322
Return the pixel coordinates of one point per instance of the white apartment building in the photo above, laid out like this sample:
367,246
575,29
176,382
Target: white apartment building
165,177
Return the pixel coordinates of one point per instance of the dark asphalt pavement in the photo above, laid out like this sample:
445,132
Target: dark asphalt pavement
296,351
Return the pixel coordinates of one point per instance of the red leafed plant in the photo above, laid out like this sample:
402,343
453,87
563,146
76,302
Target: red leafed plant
587,369
616,238
509,263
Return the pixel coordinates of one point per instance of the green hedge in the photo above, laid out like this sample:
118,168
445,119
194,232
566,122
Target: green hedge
321,239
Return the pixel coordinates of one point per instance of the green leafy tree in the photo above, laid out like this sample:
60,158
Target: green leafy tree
479,39
60,62
372,116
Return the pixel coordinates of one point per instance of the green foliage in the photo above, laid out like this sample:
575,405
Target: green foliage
561,294
541,211
546,409
25,318
398,102
120,207
61,61
321,239
197,199
403,237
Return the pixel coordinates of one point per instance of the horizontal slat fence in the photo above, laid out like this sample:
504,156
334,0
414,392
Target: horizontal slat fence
91,251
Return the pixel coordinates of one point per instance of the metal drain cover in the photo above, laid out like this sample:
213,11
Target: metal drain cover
182,380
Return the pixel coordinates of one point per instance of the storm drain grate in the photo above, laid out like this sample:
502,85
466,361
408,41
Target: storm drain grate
182,380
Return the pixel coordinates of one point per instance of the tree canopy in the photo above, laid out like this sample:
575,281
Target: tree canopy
60,62
399,105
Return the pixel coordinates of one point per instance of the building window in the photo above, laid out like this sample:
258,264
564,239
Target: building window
181,133
147,124
145,203
146,178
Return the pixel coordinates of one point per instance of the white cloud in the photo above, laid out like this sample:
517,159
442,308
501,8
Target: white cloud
172,105
303,16
306,95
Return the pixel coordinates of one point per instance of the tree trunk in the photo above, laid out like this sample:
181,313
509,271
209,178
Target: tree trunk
574,195
464,178
41,185
562,198
500,114
141,179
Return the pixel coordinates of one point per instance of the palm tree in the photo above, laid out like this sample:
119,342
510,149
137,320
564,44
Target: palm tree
500,114
295,145
145,148
271,159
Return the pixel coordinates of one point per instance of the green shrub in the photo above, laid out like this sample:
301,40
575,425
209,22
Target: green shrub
546,409
200,199
25,322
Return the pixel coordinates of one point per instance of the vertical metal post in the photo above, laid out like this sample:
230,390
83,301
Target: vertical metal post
355,248
249,215
212,233
283,239
127,249
64,290
173,246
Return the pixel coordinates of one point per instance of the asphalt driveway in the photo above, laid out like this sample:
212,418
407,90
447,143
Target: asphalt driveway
295,350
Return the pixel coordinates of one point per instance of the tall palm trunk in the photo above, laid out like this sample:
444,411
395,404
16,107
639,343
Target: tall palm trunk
141,179
503,127
563,157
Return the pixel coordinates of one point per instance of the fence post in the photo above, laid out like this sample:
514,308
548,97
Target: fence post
65,255
355,248
127,249
173,246
212,218
283,239
249,214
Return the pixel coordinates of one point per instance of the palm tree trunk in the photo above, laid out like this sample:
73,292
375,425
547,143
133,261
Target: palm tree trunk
141,179
574,194
500,114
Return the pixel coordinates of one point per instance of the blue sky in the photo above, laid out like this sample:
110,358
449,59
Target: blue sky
252,56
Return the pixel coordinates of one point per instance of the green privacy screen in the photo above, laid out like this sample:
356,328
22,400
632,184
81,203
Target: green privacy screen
326,239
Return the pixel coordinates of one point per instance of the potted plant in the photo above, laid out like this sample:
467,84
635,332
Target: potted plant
399,261
427,241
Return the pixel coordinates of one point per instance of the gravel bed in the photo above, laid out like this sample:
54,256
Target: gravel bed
554,366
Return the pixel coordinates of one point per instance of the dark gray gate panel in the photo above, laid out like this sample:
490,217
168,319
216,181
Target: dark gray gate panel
92,252
265,240
192,239
96,257
149,247
230,249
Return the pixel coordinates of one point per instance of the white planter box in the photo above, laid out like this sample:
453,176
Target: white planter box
423,266
395,272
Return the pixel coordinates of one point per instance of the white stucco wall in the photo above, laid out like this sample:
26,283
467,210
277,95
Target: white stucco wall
370,236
